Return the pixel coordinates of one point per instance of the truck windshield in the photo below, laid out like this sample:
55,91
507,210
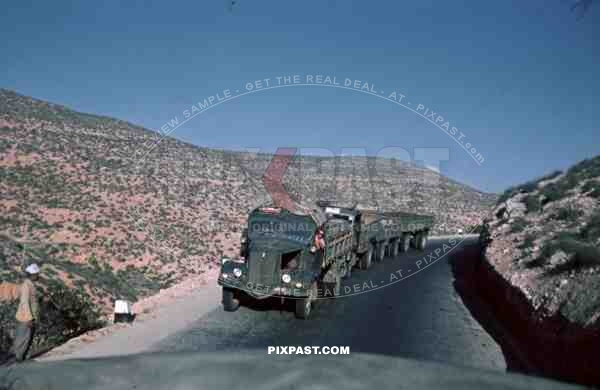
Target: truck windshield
283,226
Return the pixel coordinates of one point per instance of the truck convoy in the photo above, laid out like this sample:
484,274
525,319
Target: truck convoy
280,255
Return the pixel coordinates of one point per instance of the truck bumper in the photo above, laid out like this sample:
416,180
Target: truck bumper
263,292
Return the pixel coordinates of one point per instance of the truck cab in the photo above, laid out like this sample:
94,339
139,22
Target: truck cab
277,259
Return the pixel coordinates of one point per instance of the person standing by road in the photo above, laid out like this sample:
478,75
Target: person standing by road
27,311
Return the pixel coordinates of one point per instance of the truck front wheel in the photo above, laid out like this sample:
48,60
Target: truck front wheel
230,302
303,308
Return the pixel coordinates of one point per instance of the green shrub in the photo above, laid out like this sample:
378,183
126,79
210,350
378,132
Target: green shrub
550,176
555,191
93,262
475,229
592,188
70,309
547,250
527,242
586,169
518,225
527,187
569,214
580,172
533,203
591,232
585,255
64,313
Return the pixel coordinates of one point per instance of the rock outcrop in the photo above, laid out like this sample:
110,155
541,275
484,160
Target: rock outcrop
545,237
539,274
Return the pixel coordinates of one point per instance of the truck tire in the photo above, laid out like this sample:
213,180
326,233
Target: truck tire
381,252
395,248
348,274
333,289
348,269
405,243
421,241
230,302
304,306
366,258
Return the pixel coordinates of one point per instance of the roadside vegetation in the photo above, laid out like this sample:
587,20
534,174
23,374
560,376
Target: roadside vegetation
581,249
546,239
527,187
64,313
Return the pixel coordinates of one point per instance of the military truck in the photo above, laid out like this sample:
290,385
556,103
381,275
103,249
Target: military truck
279,256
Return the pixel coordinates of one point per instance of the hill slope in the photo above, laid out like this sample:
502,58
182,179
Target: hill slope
544,240
75,194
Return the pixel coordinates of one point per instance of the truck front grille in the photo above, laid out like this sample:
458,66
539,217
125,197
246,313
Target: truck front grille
264,270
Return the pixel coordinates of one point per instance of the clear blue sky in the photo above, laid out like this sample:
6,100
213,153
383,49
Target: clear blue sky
520,79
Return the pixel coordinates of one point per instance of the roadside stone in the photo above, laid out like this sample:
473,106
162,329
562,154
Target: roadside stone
515,207
559,257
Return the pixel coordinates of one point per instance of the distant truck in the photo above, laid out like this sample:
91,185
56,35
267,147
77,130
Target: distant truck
279,256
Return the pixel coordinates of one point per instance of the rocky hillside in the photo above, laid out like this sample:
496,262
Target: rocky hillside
390,185
77,197
545,236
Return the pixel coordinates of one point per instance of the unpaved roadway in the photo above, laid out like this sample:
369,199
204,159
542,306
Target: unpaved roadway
420,317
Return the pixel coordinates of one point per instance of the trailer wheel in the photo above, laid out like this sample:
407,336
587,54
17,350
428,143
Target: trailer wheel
421,241
332,289
405,243
366,258
381,252
395,248
348,270
230,303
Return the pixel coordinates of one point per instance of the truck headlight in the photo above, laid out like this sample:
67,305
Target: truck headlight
286,278
237,272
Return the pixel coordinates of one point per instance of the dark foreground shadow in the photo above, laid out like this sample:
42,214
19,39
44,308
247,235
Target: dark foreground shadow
257,370
532,342
464,265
